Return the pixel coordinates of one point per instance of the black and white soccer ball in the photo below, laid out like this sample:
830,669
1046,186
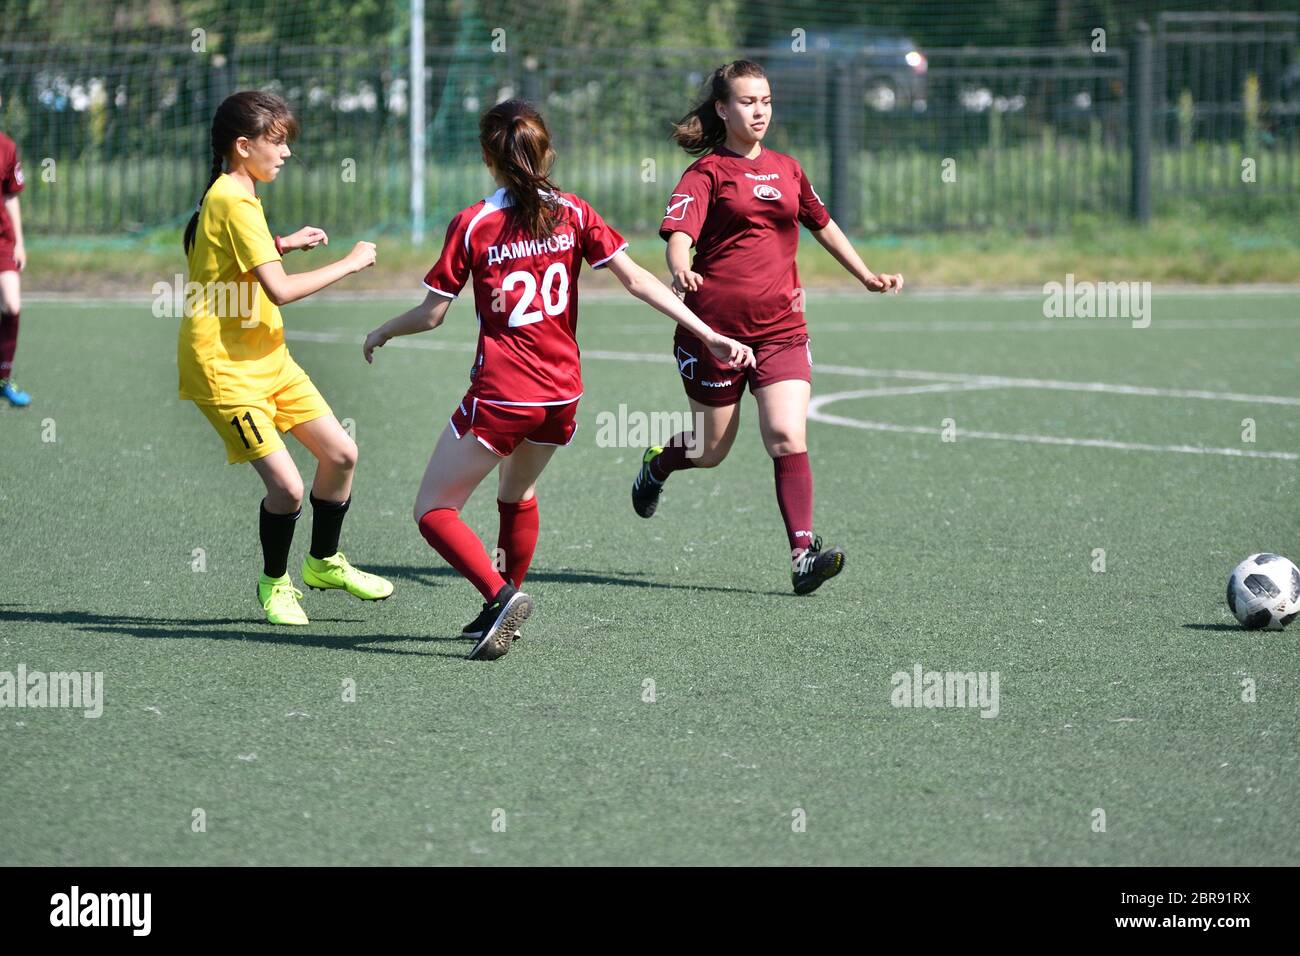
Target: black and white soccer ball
1264,592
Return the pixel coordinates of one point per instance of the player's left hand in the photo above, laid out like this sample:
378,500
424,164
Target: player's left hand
375,340
20,257
308,237
885,283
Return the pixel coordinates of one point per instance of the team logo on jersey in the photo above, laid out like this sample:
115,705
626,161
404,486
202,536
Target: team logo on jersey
764,191
686,363
677,203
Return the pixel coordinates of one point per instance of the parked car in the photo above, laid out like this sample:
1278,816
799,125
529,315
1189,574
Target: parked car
893,66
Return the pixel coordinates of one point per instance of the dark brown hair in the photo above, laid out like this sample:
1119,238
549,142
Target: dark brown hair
251,114
517,144
702,129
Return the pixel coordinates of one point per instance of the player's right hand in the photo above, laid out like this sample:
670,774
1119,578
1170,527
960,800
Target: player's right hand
735,354
684,280
886,283
362,256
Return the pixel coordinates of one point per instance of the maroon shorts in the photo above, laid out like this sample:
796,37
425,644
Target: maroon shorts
711,382
7,261
501,427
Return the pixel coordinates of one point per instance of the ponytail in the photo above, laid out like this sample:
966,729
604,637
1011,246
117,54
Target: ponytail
517,144
193,227
702,129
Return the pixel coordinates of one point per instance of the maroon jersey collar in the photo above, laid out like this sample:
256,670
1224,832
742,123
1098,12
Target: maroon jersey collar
723,151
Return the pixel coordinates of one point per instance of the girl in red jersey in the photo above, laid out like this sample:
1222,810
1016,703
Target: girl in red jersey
13,258
523,247
741,205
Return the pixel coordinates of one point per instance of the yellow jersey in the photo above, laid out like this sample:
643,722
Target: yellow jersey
231,346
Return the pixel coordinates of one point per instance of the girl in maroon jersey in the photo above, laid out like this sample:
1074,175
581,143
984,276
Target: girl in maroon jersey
13,259
523,246
741,205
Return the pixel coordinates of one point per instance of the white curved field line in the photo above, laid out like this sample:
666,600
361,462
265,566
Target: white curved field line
938,382
816,414
819,402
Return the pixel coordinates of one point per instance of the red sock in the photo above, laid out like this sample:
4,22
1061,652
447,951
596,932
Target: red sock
517,539
460,546
8,342
672,458
794,496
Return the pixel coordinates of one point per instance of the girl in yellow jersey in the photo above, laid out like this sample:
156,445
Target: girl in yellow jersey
234,364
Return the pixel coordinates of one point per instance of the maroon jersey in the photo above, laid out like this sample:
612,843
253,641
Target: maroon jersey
743,216
525,295
11,184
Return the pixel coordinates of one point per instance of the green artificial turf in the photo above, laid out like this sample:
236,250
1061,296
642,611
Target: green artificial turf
1119,690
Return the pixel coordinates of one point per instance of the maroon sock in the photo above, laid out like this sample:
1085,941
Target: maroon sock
517,539
672,458
8,342
460,546
794,496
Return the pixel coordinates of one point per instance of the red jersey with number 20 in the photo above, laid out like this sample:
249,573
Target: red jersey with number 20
743,217
525,295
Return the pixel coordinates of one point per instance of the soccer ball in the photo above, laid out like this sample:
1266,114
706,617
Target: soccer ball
1264,592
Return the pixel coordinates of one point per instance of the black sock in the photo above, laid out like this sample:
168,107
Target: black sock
326,522
277,536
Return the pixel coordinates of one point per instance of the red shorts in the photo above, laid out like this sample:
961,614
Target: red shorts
711,382
7,261
501,427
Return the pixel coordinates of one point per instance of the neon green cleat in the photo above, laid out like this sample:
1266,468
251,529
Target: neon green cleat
335,572
279,599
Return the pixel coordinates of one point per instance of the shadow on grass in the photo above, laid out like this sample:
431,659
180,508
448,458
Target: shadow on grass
431,574
217,629
1214,627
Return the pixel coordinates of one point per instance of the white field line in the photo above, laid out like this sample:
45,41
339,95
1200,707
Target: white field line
612,293
890,391
964,378
998,381
1056,325
816,414
941,382
927,326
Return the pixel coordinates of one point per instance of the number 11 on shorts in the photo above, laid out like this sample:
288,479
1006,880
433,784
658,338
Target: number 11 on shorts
248,417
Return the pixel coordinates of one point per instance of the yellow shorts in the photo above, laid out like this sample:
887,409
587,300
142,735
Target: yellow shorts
250,430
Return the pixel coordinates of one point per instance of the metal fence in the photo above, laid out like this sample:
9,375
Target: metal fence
115,137
1228,93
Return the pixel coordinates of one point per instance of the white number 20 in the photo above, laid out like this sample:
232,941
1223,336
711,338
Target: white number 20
555,294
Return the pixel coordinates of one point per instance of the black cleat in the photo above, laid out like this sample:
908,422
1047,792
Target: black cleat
815,567
504,613
476,627
645,490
